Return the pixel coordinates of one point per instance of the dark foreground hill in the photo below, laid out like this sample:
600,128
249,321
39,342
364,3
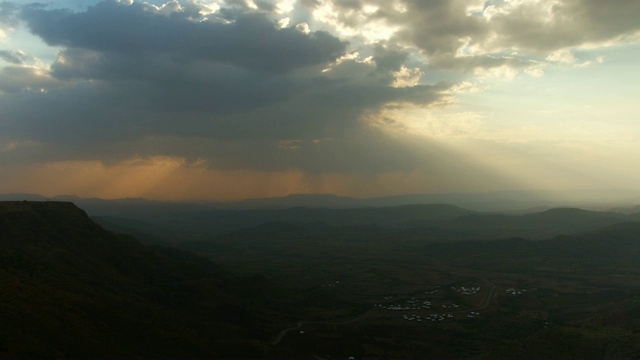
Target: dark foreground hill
68,288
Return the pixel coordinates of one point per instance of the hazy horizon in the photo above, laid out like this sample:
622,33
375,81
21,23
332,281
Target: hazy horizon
222,100
500,201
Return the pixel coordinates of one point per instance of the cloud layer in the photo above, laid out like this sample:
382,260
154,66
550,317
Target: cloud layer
301,86
137,74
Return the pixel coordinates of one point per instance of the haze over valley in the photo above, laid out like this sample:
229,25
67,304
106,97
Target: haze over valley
403,281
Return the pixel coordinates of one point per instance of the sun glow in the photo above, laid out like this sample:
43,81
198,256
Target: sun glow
361,23
527,157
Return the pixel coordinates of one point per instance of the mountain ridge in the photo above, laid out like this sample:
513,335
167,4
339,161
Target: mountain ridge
480,201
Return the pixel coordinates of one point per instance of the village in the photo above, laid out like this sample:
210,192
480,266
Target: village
425,309
514,291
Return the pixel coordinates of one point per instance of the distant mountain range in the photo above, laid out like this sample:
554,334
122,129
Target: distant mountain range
174,222
436,222
502,201
489,201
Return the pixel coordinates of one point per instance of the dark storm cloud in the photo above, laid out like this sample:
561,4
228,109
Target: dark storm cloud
389,58
365,152
233,90
248,40
170,85
8,14
276,108
13,57
18,79
105,124
568,23
436,27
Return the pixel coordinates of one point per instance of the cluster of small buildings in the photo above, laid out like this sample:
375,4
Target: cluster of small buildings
412,317
432,317
473,315
439,317
331,284
451,306
514,291
466,291
412,304
418,304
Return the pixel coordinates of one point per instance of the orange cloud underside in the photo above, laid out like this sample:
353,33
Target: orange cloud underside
162,178
171,178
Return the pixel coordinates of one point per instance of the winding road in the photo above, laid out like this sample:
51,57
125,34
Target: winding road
284,332
487,300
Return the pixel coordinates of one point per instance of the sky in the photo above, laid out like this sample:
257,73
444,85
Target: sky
234,99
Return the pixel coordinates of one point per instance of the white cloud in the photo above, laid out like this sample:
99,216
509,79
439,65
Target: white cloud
303,28
500,72
284,22
564,56
465,87
285,6
535,71
407,77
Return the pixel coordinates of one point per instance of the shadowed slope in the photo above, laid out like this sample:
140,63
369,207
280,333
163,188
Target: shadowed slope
70,288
